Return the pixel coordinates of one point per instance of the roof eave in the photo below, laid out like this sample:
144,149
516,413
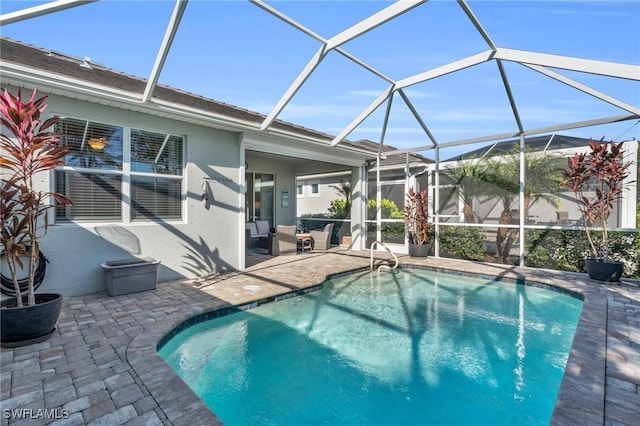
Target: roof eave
59,84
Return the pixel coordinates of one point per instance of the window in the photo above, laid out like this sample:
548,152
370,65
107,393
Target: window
299,190
113,173
154,196
315,190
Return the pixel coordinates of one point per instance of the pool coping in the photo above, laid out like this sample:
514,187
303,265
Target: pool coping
580,400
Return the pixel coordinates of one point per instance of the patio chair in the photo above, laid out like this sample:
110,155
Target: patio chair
257,233
262,226
322,238
563,217
251,234
286,241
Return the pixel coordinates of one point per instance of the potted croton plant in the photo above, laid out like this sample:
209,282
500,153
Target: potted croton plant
27,150
597,179
416,216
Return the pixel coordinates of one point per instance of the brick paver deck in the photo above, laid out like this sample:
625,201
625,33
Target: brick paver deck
101,367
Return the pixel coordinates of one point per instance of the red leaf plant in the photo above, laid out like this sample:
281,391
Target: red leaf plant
416,216
604,168
26,150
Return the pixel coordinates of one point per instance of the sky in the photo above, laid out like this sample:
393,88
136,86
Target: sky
237,53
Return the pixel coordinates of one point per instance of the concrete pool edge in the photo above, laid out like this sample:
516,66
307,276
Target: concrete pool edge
580,399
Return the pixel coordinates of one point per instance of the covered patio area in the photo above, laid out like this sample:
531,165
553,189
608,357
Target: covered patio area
101,365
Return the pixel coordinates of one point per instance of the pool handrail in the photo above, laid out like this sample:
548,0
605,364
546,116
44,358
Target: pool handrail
380,243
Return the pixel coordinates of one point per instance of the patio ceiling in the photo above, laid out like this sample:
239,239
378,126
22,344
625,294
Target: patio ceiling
482,58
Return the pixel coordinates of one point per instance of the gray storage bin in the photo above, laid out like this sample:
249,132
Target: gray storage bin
130,275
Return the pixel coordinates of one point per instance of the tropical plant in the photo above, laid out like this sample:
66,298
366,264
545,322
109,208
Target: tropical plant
343,189
28,150
542,183
388,209
505,185
565,249
462,242
338,208
416,216
604,167
341,208
470,177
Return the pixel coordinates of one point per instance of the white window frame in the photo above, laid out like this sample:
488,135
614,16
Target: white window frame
126,175
312,194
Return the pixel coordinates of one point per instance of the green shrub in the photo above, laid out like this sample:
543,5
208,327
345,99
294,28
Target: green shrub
389,210
462,242
566,250
338,208
393,232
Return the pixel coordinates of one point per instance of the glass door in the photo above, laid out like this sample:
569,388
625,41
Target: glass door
260,197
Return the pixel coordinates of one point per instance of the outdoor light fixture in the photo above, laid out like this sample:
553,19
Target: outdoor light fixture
97,143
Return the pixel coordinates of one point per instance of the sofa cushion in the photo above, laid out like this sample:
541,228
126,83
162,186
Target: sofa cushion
262,227
252,229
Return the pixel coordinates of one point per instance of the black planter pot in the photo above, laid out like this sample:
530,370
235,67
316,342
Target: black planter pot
29,324
598,269
419,250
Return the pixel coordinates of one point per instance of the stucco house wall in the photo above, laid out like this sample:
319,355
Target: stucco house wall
198,244
284,175
310,203
219,142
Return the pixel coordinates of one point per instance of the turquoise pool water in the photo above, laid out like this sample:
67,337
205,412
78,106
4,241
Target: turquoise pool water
412,347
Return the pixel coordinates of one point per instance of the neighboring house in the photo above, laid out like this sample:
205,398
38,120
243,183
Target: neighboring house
487,208
173,177
316,191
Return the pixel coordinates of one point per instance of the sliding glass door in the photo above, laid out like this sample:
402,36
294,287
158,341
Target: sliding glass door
260,197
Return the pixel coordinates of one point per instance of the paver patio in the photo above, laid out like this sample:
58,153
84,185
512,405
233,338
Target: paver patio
100,366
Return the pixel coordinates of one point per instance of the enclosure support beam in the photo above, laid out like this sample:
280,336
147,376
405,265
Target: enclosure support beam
169,35
590,66
40,10
586,89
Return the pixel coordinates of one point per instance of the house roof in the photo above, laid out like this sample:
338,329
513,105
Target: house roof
534,143
59,63
82,69
392,160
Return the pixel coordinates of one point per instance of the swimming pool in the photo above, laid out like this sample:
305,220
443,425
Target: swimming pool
410,347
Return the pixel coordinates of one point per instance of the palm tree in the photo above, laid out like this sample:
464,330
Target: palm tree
471,179
542,183
542,178
504,178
